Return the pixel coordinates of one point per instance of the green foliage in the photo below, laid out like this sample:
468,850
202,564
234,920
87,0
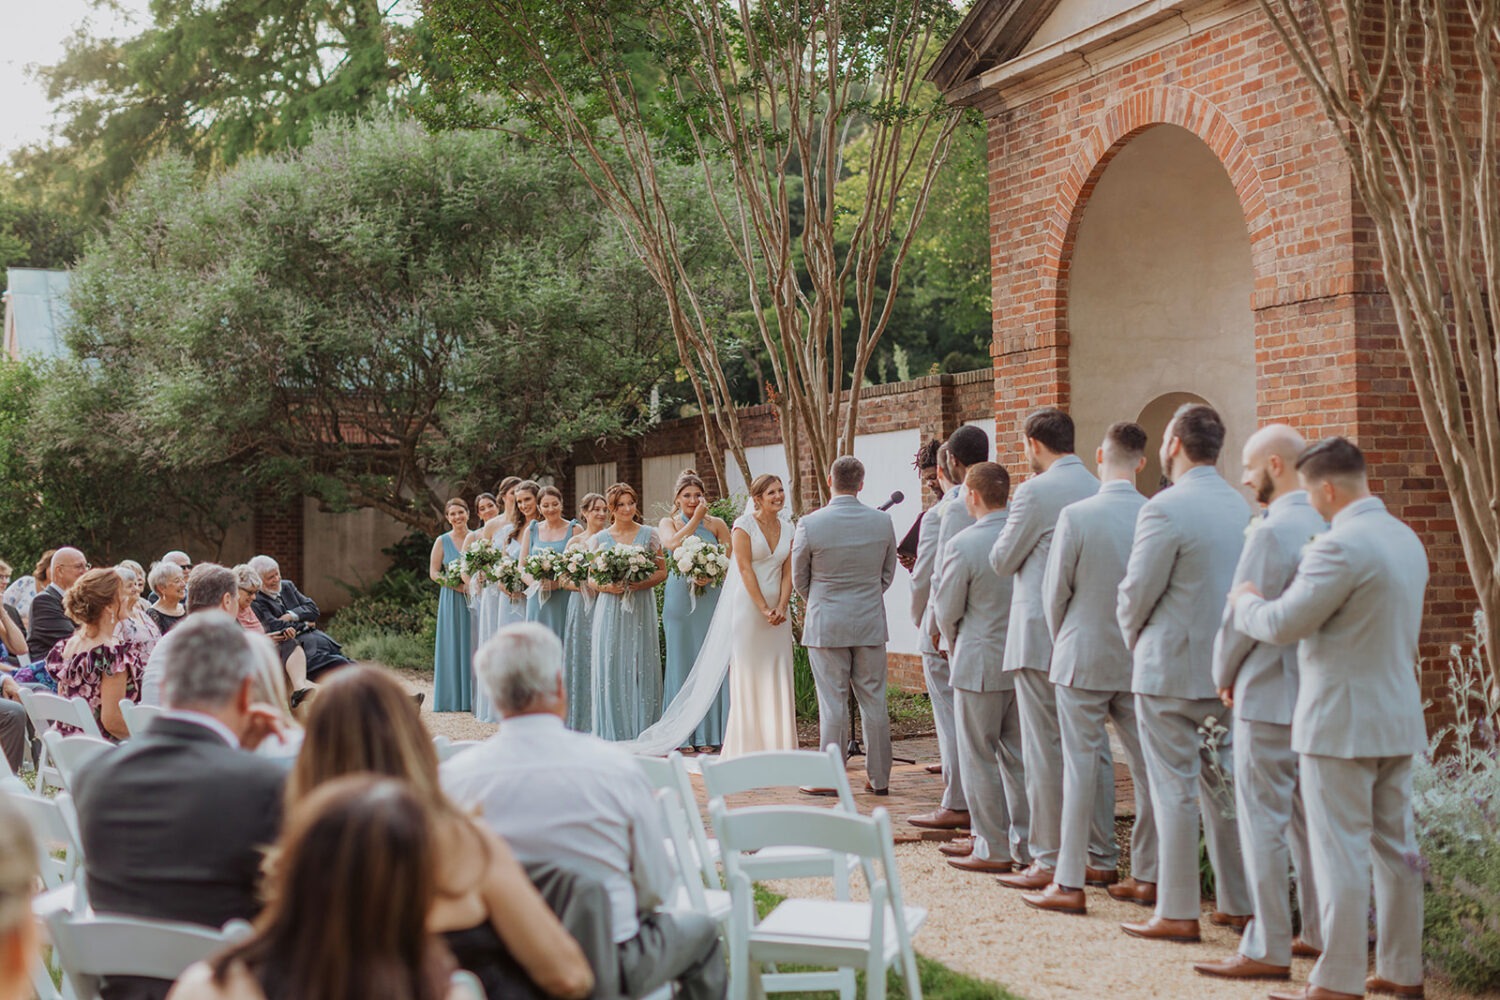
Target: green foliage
393,620
804,691
400,652
36,235
1456,799
358,320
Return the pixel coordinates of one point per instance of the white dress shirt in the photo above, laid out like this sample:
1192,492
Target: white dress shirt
151,677
571,798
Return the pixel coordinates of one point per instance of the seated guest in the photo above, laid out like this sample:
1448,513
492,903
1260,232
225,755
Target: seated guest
174,823
22,592
136,625
94,663
349,899
12,636
210,587
19,946
289,614
492,917
49,625
572,798
177,558
168,584
293,658
270,690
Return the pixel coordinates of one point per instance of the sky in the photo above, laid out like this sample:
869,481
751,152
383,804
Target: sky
32,34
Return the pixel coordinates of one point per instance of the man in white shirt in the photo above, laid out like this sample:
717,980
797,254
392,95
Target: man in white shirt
210,587
573,799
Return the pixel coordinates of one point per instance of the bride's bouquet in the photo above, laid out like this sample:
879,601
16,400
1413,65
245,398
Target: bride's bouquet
544,566
703,564
621,564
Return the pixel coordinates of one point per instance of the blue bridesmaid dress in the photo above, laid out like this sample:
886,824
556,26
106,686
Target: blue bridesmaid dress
452,690
686,627
508,613
553,612
625,667
578,648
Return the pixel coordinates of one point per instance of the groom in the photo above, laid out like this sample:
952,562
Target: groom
843,561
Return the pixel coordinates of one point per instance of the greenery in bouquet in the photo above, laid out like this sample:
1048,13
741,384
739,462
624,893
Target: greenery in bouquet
621,564
453,575
704,564
507,574
546,565
481,558
576,565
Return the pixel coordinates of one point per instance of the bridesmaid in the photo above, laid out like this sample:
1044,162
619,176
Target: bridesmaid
486,603
686,626
451,671
577,631
553,612
519,497
626,659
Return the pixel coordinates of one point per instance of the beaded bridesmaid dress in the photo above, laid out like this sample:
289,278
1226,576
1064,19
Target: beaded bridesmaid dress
686,627
625,665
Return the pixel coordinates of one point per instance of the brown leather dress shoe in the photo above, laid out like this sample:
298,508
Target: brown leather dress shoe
1101,877
1057,899
941,819
1161,929
1131,891
1301,949
983,866
934,768
1311,992
959,847
1230,920
1239,967
1032,879
1374,984
876,791
809,790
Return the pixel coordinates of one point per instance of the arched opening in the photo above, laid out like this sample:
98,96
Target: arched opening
1154,418
1159,295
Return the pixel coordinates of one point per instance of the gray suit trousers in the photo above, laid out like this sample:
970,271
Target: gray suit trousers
1363,814
835,670
1273,835
675,947
940,692
989,751
1183,787
13,733
1041,741
1088,802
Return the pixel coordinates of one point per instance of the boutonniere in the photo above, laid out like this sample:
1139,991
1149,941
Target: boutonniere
1310,542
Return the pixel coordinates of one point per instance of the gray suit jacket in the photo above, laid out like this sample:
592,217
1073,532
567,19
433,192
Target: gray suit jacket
1021,551
1263,676
928,538
971,608
955,518
1187,544
1355,607
843,561
1090,550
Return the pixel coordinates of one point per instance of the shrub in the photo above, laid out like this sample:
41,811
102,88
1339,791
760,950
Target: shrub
396,615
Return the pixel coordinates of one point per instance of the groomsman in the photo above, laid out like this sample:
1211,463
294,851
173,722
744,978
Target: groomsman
966,447
1259,680
1187,544
972,611
1021,551
1355,606
843,561
1091,671
953,811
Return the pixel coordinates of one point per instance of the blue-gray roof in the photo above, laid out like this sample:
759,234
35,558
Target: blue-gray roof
36,312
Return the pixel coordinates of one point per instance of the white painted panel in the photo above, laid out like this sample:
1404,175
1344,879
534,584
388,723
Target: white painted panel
594,478
762,458
659,475
888,468
988,426
344,550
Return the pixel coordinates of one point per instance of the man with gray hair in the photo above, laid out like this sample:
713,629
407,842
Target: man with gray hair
289,615
843,562
573,799
210,587
175,822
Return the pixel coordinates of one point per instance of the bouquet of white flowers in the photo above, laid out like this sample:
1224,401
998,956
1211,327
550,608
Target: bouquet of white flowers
544,566
703,564
621,564
453,574
576,565
507,575
480,559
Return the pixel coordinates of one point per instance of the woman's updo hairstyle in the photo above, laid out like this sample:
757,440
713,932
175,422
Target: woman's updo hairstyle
549,491
456,502
95,592
689,477
43,571
505,486
588,501
760,484
619,491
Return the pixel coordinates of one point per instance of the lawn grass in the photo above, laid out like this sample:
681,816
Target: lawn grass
938,981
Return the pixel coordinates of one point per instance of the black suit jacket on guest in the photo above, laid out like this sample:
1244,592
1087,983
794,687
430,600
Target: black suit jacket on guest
321,649
48,623
174,824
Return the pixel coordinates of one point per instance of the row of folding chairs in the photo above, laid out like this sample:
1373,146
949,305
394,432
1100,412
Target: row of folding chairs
755,843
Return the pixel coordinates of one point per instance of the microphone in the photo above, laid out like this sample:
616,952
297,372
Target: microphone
896,498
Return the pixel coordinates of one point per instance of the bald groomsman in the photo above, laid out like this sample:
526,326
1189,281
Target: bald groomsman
1187,544
1021,551
1259,680
972,612
1355,606
1091,671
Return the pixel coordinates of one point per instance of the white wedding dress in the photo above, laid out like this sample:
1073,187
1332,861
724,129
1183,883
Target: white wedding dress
762,700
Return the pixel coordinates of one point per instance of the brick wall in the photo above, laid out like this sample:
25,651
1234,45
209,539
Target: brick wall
277,532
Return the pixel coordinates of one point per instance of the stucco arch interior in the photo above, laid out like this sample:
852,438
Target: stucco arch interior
1159,292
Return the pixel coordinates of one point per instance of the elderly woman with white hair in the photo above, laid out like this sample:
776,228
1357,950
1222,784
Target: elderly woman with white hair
292,657
291,616
169,583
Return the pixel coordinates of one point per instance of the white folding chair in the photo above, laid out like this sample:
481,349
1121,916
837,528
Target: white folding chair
465,986
447,748
44,709
137,716
58,852
672,772
70,753
91,947
692,892
841,933
788,769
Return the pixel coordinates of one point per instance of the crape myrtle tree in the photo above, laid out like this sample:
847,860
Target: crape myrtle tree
372,320
1412,90
766,98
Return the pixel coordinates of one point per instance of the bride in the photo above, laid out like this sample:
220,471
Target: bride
750,638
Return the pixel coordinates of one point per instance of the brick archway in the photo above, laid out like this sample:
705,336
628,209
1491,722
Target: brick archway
1114,129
